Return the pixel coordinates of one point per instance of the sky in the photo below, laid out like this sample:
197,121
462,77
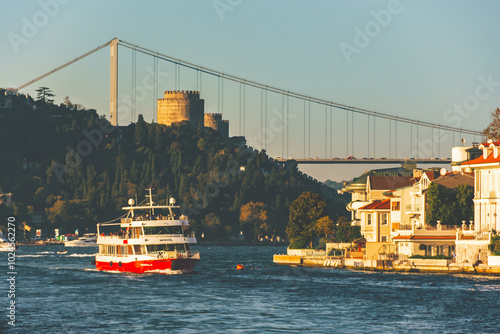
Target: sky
434,61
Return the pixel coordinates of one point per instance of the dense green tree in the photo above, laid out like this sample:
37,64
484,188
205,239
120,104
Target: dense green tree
440,205
254,220
345,232
465,204
141,132
494,245
45,95
46,171
450,206
325,227
305,211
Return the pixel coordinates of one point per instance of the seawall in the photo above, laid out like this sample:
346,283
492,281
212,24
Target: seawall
411,265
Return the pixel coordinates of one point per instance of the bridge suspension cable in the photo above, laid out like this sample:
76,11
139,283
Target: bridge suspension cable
63,66
294,94
266,88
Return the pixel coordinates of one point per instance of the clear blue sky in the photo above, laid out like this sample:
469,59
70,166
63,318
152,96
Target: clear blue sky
419,62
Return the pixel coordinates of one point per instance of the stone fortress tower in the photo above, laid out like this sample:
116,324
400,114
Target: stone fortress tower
178,106
216,122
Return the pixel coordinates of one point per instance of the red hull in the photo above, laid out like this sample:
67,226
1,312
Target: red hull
184,265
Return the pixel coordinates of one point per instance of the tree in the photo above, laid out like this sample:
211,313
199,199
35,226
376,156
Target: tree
440,205
212,227
494,245
305,211
45,95
67,102
345,231
325,227
141,131
253,219
465,205
493,130
450,206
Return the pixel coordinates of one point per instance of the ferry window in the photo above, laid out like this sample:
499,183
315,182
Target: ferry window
174,229
157,248
155,230
137,249
163,230
179,247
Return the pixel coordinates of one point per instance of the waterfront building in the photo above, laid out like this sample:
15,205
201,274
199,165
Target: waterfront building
363,193
413,235
371,210
376,228
472,247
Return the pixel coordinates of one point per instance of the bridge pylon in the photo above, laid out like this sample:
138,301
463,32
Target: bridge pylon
113,95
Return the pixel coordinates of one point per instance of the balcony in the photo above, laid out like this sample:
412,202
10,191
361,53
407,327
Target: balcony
414,208
405,227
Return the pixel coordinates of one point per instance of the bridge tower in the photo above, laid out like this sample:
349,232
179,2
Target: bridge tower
113,95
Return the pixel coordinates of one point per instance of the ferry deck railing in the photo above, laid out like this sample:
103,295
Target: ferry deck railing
124,236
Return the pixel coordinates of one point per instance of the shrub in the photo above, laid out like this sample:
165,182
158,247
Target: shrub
494,245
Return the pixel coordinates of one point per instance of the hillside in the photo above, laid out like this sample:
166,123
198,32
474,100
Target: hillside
74,169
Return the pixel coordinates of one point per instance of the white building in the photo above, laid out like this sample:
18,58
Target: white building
486,168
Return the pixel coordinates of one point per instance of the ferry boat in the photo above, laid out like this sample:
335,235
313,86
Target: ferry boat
150,238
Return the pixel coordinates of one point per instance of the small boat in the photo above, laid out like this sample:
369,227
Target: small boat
5,245
88,240
62,251
150,238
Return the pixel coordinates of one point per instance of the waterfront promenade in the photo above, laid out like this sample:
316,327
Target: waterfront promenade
312,258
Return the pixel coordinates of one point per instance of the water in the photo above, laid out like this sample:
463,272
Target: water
64,294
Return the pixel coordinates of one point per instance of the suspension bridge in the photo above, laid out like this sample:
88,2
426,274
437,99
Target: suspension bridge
288,125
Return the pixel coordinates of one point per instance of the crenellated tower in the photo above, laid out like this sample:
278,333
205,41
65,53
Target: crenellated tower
180,105
215,121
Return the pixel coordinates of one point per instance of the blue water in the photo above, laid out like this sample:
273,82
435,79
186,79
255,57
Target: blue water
64,294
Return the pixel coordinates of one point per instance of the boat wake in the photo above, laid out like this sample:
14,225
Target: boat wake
80,255
165,272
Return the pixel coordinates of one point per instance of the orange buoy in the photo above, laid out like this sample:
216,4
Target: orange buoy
240,267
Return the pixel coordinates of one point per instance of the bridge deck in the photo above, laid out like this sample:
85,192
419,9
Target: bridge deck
440,161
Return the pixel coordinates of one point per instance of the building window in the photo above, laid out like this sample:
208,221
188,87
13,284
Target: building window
395,206
384,218
383,238
368,219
